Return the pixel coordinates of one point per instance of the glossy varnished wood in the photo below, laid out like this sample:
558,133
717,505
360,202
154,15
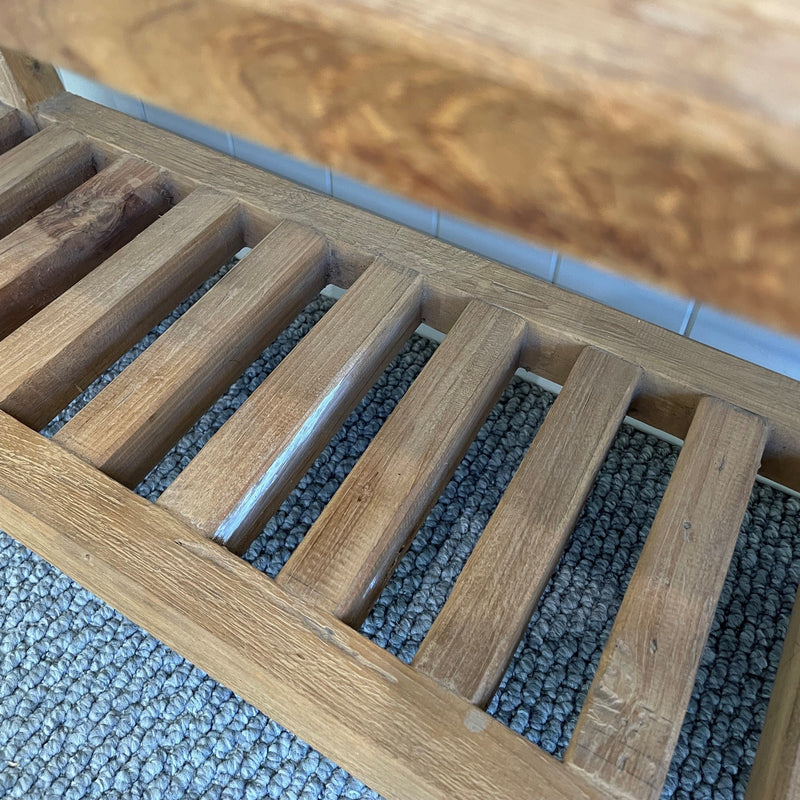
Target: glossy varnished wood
131,424
346,558
476,633
40,259
41,170
248,467
374,715
676,370
632,716
48,360
660,138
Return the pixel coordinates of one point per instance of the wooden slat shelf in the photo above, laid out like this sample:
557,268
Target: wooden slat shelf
92,259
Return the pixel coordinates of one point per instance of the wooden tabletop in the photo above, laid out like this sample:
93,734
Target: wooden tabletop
659,138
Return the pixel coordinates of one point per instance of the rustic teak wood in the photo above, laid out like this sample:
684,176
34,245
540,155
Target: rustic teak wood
109,223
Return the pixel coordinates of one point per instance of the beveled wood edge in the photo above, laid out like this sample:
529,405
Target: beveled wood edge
678,370
372,714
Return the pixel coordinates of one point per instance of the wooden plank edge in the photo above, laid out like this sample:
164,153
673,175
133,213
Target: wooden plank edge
678,370
299,665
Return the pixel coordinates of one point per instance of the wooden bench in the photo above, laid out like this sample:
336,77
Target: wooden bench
109,223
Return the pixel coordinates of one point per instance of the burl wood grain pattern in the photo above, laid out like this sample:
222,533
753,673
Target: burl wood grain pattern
677,370
40,171
133,422
51,358
351,551
288,420
374,715
55,249
475,635
632,716
658,138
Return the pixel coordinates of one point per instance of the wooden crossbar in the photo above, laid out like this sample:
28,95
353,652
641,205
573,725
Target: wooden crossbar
46,255
40,171
92,259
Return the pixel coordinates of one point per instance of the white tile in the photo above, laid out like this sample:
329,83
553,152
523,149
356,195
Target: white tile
654,305
385,204
86,87
314,176
188,128
776,351
501,247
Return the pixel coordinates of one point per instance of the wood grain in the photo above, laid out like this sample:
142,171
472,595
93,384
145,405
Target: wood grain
133,422
372,714
659,139
12,131
55,249
477,632
51,358
677,370
351,551
40,171
776,769
25,81
238,480
631,719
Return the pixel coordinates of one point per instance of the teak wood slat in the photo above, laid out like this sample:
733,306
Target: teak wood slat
104,276
632,716
55,249
129,426
475,635
659,137
42,169
346,558
677,370
375,716
290,418
49,359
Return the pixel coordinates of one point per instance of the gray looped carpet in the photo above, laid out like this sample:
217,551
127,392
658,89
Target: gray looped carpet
91,706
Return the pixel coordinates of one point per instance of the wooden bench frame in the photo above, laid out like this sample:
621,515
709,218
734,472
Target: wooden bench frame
86,287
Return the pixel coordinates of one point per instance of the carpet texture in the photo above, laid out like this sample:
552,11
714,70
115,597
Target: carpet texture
91,706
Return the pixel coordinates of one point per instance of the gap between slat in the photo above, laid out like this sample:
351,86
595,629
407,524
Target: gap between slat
39,171
41,259
348,555
237,481
629,725
776,769
476,634
46,361
134,421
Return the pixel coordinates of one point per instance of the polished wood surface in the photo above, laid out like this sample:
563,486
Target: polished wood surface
661,138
